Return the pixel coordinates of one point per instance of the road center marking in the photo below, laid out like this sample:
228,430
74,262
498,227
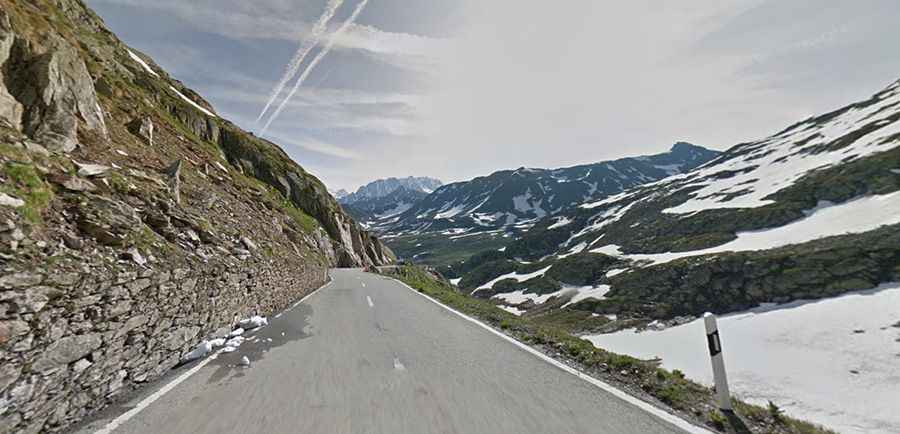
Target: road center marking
369,299
398,366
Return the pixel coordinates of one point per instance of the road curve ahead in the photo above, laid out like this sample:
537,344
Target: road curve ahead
367,355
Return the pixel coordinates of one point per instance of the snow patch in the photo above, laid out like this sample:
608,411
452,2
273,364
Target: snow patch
803,356
615,272
253,322
191,102
587,292
517,276
562,221
513,310
777,162
856,216
143,64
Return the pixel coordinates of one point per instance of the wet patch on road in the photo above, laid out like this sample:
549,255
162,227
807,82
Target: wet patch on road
292,326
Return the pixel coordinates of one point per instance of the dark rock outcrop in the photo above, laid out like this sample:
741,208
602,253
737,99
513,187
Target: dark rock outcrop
47,90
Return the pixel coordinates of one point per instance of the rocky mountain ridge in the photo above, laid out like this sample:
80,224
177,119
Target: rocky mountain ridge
382,187
384,207
509,197
459,219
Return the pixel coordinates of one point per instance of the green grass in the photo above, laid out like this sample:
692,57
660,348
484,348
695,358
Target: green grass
551,332
24,182
443,252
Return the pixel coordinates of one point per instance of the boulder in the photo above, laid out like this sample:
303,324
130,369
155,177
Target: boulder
10,109
58,96
107,220
143,128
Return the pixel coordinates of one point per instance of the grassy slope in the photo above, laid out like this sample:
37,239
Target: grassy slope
552,334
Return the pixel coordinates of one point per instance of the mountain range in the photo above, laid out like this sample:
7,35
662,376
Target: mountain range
508,197
386,197
461,217
810,212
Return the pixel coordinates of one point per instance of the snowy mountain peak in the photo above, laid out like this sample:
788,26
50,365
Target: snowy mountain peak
383,187
524,195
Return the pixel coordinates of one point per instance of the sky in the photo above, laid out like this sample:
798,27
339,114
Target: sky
455,89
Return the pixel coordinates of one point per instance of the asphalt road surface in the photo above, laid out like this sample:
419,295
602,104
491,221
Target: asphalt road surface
367,355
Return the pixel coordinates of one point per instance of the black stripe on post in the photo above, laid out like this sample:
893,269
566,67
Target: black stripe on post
712,340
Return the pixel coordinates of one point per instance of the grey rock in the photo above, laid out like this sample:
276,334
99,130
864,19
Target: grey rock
36,148
8,421
221,332
73,241
12,329
81,365
59,98
131,324
245,362
136,286
7,200
181,336
10,109
118,309
173,172
117,381
9,373
135,255
248,243
66,350
35,298
143,128
90,170
62,279
24,344
107,220
73,183
20,280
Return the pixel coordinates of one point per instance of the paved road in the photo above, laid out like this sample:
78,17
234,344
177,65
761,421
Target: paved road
367,355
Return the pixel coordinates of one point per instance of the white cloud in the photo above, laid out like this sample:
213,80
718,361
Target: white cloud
314,145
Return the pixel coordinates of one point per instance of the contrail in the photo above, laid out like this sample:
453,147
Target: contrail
312,65
305,47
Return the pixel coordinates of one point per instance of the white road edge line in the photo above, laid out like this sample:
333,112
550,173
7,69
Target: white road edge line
369,299
124,417
649,408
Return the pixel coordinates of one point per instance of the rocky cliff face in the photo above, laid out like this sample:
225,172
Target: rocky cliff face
134,222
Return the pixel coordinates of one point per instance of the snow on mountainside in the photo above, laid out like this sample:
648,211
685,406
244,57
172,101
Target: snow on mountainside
521,197
749,179
810,212
384,207
795,237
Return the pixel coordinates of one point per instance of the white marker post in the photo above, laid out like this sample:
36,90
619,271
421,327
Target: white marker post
718,363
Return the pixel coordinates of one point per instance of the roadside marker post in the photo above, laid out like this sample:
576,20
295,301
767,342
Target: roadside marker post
718,363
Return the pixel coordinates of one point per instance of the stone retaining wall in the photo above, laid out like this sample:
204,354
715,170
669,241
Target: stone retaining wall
70,343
